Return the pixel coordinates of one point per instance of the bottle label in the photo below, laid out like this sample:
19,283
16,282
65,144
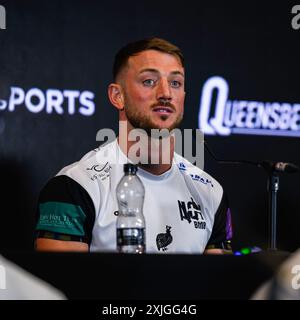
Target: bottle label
131,237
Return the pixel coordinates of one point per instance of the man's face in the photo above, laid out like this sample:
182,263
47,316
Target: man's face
153,87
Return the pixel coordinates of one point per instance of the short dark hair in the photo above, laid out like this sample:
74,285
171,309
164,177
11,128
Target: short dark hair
136,47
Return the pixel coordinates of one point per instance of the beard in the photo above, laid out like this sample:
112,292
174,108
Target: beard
139,120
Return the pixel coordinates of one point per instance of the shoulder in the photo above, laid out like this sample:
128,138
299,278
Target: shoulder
87,175
199,176
93,161
92,166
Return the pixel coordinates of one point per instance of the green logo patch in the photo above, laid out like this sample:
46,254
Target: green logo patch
62,218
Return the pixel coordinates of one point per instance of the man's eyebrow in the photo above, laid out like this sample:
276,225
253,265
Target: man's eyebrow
156,71
148,70
178,72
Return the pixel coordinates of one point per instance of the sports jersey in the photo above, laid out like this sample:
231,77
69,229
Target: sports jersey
184,205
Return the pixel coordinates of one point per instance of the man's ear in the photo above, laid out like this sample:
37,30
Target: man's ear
116,96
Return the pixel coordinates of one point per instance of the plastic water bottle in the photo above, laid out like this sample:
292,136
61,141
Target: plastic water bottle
130,222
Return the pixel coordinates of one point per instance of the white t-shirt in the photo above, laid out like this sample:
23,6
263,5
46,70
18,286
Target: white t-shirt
184,202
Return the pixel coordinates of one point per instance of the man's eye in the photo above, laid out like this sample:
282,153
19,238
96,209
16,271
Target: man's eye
149,82
175,84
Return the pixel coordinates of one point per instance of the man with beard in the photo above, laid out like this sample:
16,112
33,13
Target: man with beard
77,208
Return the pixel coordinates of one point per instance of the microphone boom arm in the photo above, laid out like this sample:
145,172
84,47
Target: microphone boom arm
272,168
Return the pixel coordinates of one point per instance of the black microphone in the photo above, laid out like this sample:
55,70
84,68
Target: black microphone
279,166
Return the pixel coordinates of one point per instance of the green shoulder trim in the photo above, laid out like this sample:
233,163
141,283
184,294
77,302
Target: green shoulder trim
62,218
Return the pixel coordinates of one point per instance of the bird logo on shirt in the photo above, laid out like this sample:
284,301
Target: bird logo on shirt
164,239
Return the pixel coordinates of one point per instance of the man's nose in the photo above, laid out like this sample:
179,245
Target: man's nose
163,90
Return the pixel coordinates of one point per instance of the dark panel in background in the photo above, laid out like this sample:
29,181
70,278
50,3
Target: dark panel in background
69,45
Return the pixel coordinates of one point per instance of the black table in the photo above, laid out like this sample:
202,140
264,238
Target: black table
134,277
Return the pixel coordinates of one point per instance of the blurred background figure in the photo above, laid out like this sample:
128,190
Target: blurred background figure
18,284
285,285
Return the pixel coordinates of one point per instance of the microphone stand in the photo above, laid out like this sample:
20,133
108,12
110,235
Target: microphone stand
272,188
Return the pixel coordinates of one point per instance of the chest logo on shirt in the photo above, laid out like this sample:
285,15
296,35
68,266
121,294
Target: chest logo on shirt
191,212
99,172
164,239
